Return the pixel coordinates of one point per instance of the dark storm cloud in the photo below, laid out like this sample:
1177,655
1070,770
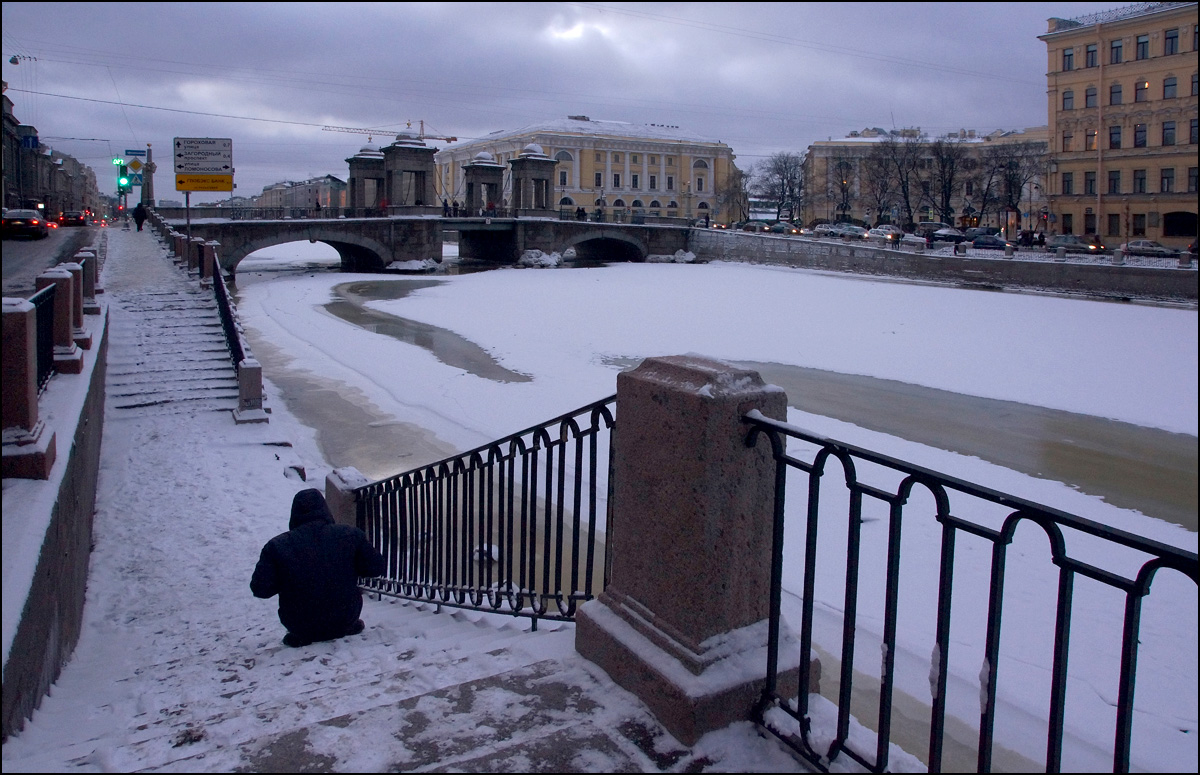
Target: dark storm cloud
761,77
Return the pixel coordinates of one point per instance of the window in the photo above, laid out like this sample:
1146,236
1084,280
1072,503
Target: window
633,159
562,177
1168,136
1068,140
924,187
1143,47
1114,137
699,183
599,180
1139,181
1089,183
616,180
1114,52
670,161
1090,97
670,181
616,158
1139,225
1139,136
1195,84
634,180
1068,183
1114,224
1068,59
1170,90
1114,182
1091,58
1171,42
599,158
1089,223
654,160
1089,140
1068,100
1141,91
1192,173
1068,223
970,190
1194,132
654,182
1167,181
1114,94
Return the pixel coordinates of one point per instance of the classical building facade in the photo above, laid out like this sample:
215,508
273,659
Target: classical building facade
661,170
327,191
1122,95
837,177
38,177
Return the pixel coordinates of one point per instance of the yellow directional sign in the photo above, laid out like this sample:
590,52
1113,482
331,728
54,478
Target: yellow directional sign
204,182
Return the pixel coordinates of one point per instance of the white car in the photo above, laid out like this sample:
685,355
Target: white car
889,234
1147,247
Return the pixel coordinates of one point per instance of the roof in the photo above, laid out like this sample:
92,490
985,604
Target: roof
582,125
1112,15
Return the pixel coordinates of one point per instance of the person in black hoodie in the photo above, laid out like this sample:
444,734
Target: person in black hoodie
314,568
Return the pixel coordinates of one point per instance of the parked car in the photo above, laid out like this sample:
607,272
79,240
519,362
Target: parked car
72,218
783,227
852,231
927,228
1073,243
991,242
716,225
825,229
913,240
757,227
947,235
889,234
25,223
1147,247
981,231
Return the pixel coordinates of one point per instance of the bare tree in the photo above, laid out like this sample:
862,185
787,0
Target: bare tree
779,178
733,196
904,154
843,184
946,173
878,182
1009,169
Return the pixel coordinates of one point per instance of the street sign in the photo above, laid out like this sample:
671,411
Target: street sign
136,179
134,153
204,155
136,165
203,182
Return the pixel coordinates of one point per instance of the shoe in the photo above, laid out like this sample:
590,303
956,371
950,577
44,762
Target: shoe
356,628
295,641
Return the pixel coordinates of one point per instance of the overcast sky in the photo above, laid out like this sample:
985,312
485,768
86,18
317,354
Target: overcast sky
99,78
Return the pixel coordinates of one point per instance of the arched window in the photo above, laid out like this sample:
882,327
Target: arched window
672,204
655,203
700,164
566,200
619,203
638,203
702,206
564,156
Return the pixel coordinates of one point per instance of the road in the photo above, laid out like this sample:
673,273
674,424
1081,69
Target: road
25,259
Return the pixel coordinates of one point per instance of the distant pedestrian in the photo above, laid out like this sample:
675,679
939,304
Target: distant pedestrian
454,208
1041,239
314,568
445,209
139,215
318,209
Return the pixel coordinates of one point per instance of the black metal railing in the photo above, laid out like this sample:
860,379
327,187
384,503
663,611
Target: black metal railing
886,504
43,303
516,526
238,350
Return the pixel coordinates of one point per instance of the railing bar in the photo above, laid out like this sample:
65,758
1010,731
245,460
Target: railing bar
891,602
991,655
1058,673
941,648
849,619
1129,654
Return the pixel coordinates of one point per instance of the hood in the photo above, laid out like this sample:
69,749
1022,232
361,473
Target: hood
309,506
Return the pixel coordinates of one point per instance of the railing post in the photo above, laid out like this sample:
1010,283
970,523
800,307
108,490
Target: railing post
29,446
91,280
683,622
340,484
195,254
250,393
68,358
78,332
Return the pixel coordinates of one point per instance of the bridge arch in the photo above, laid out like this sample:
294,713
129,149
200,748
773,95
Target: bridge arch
357,252
598,245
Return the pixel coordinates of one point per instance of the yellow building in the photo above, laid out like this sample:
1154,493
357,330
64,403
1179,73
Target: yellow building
1122,93
657,169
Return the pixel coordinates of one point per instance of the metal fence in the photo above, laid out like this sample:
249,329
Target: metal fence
516,526
884,491
238,351
43,303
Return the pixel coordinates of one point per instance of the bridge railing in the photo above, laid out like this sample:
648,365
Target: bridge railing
873,577
516,526
43,303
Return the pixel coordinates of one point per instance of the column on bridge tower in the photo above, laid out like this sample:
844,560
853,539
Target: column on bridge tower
484,179
409,171
532,176
366,165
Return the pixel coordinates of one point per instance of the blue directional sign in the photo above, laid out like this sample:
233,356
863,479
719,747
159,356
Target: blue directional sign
134,153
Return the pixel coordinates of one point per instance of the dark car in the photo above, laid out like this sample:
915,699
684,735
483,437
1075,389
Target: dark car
25,223
1073,243
991,242
980,231
72,218
783,227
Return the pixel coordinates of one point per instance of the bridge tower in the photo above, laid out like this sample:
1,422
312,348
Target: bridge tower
484,179
408,167
532,179
366,178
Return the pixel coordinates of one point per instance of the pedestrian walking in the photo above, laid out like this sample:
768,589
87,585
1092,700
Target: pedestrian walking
445,209
139,215
314,568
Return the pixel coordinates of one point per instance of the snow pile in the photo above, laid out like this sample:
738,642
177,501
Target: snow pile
425,265
539,260
679,257
569,254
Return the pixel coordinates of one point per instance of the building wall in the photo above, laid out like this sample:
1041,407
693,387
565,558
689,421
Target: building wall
676,178
1116,169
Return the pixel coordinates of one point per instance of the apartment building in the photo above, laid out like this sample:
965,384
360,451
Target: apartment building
659,169
1122,94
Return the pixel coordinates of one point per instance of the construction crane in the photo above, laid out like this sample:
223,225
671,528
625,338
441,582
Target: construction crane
370,132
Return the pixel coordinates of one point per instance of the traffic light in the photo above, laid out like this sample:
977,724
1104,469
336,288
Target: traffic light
123,186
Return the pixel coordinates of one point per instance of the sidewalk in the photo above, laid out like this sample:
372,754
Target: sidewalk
179,668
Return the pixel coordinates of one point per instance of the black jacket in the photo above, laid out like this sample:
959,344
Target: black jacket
314,568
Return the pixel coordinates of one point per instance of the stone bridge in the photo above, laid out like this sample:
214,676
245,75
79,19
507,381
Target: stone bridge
371,244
